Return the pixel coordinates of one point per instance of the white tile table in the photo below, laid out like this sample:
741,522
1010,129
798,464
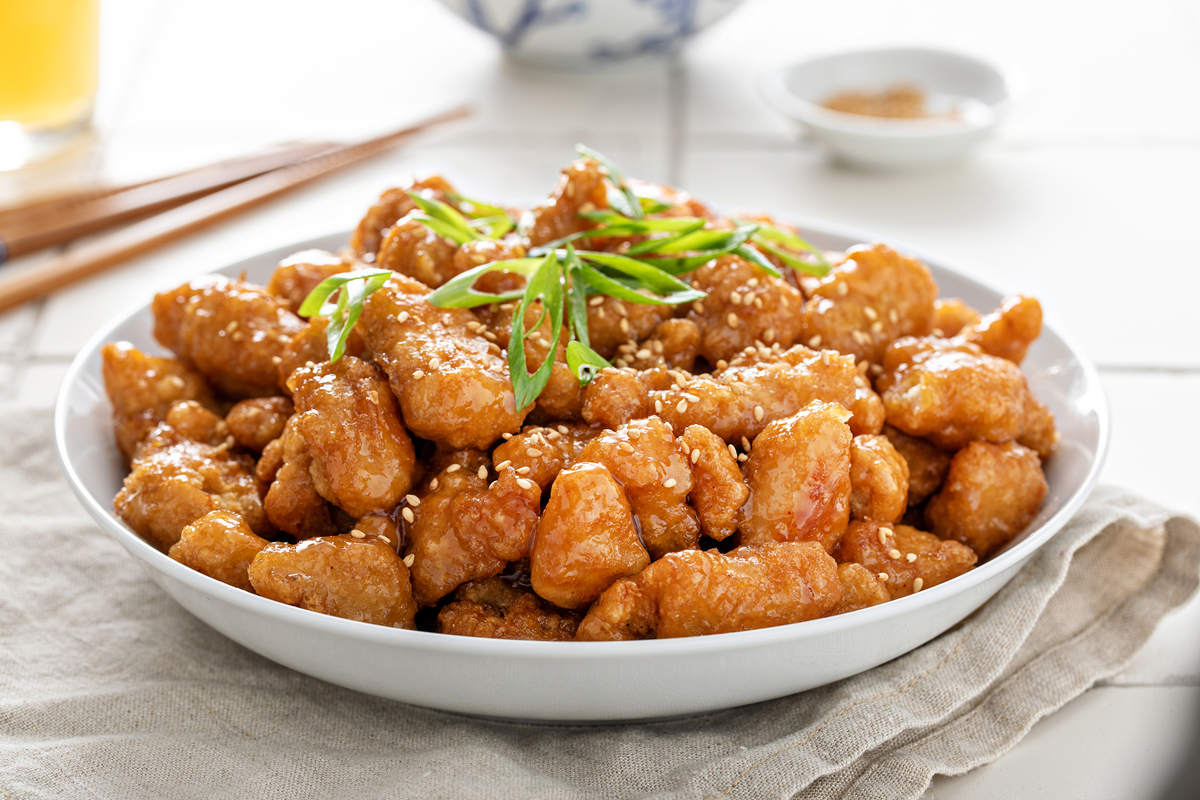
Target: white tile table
1087,199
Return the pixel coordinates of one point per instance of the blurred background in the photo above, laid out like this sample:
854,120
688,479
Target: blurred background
1087,190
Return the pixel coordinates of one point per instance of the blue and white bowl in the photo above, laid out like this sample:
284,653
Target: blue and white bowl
589,35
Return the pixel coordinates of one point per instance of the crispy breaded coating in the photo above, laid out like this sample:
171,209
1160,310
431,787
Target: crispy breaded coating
951,315
417,251
886,550
878,480
293,503
297,275
193,421
749,394
872,298
496,609
744,305
700,592
343,576
311,344
952,394
221,545
539,453
391,206
991,494
799,479
586,538
860,589
869,413
257,422
581,187
229,331
384,527
175,481
464,530
613,323
142,388
362,458
718,489
452,383
1008,331
673,344
927,464
1039,432
645,459
615,396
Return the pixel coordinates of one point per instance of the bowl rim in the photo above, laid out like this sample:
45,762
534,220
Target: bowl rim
772,85
442,644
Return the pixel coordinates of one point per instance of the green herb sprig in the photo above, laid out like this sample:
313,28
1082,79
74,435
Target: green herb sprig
352,288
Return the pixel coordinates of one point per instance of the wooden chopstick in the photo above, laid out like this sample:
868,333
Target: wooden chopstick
94,257
40,225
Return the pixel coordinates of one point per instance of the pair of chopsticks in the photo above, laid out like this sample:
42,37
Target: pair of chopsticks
181,204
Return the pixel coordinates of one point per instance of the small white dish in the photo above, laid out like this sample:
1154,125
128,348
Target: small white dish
587,681
977,89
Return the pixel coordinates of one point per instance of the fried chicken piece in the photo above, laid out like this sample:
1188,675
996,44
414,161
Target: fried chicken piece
860,589
229,331
257,422
885,550
581,187
718,489
586,539
872,298
749,394
175,481
927,464
878,480
193,421
384,527
645,459
539,453
870,414
362,458
952,393
680,202
613,322
311,345
297,275
496,609
293,503
799,479
744,305
673,344
1039,432
951,315
452,384
391,206
343,576
221,545
991,494
143,388
616,396
699,592
464,530
417,251
1008,331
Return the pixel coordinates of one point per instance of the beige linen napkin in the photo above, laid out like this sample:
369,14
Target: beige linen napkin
108,689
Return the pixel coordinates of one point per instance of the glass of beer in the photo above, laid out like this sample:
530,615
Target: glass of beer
48,62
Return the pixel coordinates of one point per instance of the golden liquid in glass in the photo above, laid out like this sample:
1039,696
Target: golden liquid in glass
47,61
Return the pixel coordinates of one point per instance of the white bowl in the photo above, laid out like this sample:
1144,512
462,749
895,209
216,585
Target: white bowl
586,681
979,89
590,35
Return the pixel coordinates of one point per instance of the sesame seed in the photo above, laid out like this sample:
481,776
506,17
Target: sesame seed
601,314
843,289
825,357
524,484
917,584
473,325
752,282
625,447
643,353
691,398
276,360
453,468
385,540
758,413
523,471
682,407
622,310
732,320
657,346
743,458
409,559
735,298
669,483
722,363
893,553
871,313
883,576
357,534
309,364
412,500
403,317
745,444
893,316
695,455
419,374
698,307
883,536
911,557
491,337
505,464
408,515
482,472
624,325
506,436
877,326
596,301
939,332
658,406
552,435
622,363
815,342
231,327
733,451
564,430
433,484
435,362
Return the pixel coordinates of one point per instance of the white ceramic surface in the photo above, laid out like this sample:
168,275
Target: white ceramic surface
587,681
590,35
978,88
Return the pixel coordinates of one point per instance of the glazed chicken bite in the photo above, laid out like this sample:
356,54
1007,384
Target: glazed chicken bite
718,490
613,323
228,331
700,592
581,187
221,545
344,576
362,458
905,559
496,609
990,495
297,275
745,305
1039,433
293,503
645,459
257,422
562,397
452,383
175,481
311,346
872,298
586,539
1009,330
799,479
951,315
617,395
142,388
878,480
193,421
860,589
540,453
927,464
391,206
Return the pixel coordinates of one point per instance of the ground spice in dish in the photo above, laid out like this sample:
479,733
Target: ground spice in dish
901,101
